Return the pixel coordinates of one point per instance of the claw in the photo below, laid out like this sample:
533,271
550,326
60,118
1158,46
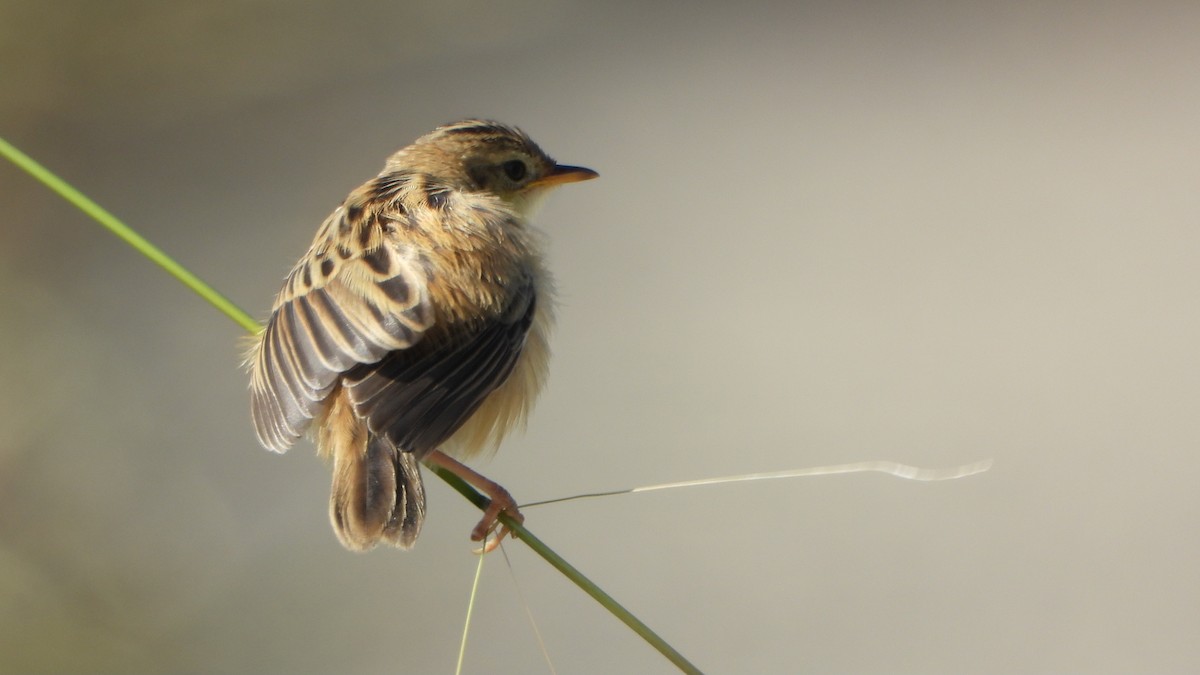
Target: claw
501,502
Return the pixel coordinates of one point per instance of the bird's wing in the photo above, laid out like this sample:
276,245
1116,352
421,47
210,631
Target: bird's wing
419,397
355,297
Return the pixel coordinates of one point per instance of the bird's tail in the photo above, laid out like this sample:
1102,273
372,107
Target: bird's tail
377,495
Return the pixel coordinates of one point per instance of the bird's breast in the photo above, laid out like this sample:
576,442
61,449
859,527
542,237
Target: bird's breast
508,407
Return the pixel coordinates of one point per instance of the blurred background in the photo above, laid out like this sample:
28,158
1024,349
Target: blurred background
825,232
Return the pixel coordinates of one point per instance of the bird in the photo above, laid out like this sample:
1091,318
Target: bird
415,328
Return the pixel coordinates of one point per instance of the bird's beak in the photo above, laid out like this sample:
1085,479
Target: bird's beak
563,174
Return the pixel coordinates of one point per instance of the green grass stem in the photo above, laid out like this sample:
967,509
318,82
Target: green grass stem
128,235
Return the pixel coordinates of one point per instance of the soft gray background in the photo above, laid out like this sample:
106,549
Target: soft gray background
931,233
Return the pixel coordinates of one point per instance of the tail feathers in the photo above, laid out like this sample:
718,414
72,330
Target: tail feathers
377,495
405,524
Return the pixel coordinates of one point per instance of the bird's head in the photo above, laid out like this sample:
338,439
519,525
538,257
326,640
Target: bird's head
485,156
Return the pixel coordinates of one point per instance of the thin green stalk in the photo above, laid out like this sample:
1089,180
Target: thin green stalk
569,571
462,645
243,319
108,220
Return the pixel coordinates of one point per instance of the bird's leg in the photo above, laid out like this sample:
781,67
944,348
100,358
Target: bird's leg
501,501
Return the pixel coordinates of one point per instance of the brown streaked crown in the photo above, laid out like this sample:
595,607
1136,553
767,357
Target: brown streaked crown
476,155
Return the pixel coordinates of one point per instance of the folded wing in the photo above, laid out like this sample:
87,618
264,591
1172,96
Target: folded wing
339,309
418,398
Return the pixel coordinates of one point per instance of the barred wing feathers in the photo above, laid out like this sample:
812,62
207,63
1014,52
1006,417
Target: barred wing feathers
338,309
418,398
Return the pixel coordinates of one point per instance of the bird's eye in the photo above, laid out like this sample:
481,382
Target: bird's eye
514,169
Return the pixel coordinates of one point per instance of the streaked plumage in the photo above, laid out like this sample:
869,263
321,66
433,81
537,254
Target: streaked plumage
416,322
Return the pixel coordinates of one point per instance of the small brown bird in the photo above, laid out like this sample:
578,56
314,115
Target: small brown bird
415,328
